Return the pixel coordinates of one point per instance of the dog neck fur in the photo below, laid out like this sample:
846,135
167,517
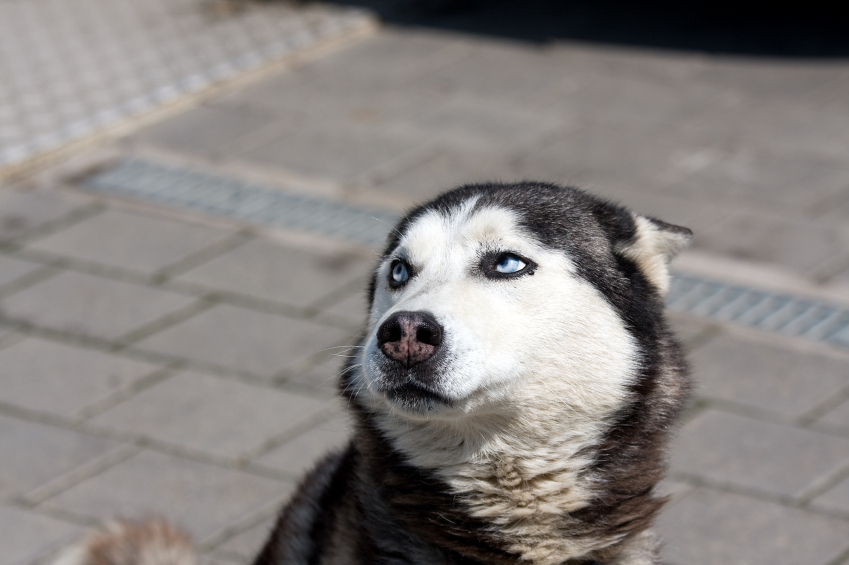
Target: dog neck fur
518,452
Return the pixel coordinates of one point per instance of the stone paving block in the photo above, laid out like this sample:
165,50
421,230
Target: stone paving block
352,310
600,154
774,458
94,306
34,454
448,169
245,340
12,268
836,499
802,245
64,380
344,153
282,273
24,210
303,452
369,73
131,240
322,378
770,377
535,77
805,130
212,414
26,535
838,416
652,105
778,80
469,124
204,131
204,499
245,546
761,178
715,528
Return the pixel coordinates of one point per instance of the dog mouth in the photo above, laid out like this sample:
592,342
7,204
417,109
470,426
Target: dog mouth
415,397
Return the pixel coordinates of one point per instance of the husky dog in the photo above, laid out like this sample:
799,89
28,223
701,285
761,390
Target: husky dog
513,391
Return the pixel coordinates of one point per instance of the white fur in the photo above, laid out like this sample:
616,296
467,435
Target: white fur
538,366
652,250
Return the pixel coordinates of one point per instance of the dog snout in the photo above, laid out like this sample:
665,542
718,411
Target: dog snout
409,338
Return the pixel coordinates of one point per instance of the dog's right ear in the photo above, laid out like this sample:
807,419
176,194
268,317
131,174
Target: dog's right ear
653,246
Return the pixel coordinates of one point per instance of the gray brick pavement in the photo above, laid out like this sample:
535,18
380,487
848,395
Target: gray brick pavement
60,379
136,242
154,362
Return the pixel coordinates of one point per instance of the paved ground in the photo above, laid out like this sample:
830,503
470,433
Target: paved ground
153,361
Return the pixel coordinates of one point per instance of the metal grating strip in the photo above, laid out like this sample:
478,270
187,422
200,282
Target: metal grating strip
759,309
250,202
266,205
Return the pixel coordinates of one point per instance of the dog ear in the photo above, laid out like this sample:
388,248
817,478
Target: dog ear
653,246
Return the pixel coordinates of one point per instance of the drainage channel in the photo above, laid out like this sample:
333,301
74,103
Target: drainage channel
266,205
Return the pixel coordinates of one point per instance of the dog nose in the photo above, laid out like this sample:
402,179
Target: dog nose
409,338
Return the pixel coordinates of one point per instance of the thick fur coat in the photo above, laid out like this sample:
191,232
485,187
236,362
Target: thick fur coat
536,433
512,393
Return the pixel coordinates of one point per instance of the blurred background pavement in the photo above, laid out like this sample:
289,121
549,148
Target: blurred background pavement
193,191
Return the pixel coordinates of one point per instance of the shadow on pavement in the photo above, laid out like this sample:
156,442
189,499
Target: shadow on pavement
787,30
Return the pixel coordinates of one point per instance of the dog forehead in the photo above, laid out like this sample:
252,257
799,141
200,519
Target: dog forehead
467,227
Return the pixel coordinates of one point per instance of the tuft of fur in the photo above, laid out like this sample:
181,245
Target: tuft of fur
125,542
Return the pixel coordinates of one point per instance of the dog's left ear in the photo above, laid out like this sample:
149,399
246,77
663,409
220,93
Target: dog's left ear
653,246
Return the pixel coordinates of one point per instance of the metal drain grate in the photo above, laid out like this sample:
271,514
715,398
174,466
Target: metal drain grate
760,309
249,202
266,205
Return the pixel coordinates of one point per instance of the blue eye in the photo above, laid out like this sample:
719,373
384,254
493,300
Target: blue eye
399,274
508,264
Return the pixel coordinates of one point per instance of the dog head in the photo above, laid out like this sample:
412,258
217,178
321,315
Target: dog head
492,297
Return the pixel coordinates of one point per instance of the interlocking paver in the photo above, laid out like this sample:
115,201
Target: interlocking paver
445,169
800,244
321,378
333,150
839,415
61,379
292,275
204,498
765,179
301,453
89,305
469,124
351,310
599,155
774,458
26,536
360,72
792,381
34,454
131,240
834,499
12,268
24,210
714,528
245,340
203,131
245,546
211,414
